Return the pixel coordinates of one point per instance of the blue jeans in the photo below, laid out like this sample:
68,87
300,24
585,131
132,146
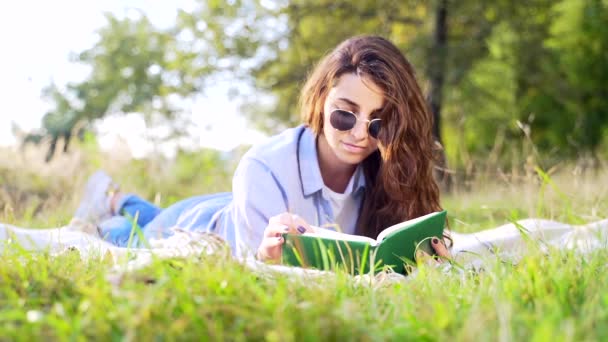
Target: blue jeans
154,222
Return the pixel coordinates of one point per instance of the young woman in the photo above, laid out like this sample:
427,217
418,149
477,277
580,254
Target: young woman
362,161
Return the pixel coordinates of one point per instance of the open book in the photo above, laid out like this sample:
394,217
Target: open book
394,247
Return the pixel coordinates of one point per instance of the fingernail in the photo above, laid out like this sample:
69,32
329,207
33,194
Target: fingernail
301,229
435,241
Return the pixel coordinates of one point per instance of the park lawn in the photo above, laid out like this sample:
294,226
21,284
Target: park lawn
556,295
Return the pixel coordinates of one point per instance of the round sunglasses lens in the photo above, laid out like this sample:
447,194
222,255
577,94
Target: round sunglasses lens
342,120
374,128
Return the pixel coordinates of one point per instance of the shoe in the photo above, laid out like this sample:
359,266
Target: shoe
95,204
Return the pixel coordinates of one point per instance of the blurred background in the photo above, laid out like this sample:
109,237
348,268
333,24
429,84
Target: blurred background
166,95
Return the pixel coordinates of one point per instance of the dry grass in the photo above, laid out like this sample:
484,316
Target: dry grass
38,194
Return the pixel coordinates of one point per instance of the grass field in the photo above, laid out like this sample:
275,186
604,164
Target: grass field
559,296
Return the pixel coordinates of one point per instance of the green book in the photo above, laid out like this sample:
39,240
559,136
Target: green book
395,246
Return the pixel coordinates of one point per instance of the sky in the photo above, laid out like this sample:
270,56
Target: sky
37,38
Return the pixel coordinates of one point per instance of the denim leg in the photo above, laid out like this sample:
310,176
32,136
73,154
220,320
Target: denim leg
157,223
117,231
132,206
160,226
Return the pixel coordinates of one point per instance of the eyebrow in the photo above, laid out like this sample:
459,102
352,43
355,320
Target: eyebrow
355,105
350,103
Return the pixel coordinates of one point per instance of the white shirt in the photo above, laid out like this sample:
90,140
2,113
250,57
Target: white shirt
344,206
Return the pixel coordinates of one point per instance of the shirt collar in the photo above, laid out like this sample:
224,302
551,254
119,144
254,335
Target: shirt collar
310,172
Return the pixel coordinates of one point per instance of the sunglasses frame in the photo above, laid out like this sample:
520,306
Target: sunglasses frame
369,122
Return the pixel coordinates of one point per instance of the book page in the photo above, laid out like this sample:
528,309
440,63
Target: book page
331,234
403,225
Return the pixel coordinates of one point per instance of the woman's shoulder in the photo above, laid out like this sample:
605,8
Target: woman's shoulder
277,147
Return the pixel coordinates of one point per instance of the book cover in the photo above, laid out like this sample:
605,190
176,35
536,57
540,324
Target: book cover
395,246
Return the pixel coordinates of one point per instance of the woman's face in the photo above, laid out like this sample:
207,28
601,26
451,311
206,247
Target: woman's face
361,96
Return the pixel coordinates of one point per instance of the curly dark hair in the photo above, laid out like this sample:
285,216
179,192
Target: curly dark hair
399,177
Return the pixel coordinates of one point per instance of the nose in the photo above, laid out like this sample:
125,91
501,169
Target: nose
360,130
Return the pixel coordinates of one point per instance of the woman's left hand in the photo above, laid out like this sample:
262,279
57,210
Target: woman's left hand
441,251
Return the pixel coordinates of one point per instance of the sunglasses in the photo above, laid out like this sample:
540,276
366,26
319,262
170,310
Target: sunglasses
343,120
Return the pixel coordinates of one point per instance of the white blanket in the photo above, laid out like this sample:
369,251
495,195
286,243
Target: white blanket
508,241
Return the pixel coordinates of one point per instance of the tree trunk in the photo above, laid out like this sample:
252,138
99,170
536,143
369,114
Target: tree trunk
51,151
436,73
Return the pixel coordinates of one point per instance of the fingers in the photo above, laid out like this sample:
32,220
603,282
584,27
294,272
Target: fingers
273,242
301,225
295,223
441,251
270,249
275,230
284,218
440,248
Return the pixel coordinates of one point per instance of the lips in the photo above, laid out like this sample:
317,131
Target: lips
353,148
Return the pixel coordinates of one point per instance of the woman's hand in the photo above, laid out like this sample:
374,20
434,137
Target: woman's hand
271,246
441,251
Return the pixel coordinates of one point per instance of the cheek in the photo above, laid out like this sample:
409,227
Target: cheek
373,146
328,129
326,124
330,133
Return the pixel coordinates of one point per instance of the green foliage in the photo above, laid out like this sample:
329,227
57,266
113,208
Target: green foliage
284,39
539,65
541,83
134,67
580,40
506,63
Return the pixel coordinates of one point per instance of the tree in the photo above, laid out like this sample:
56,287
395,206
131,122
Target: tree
437,64
134,67
270,45
579,39
489,65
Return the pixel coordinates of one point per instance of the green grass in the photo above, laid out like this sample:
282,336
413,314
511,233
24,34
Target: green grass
558,295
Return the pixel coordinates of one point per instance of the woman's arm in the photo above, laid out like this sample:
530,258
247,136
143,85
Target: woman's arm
260,212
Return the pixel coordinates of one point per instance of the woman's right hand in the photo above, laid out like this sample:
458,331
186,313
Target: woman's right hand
271,247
